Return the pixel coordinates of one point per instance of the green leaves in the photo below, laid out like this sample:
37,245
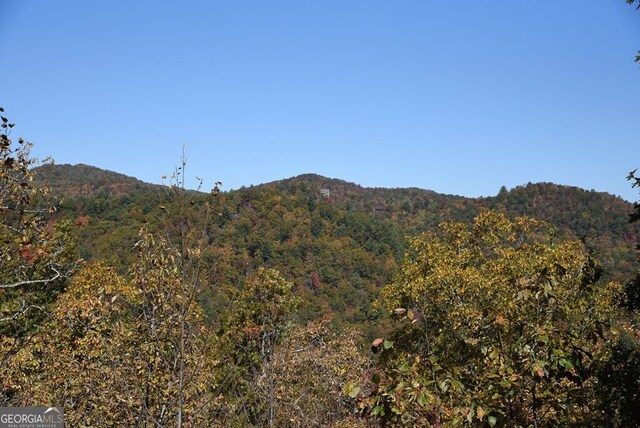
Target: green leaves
504,308
378,410
381,344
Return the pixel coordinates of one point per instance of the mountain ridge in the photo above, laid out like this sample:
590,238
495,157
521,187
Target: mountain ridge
86,180
337,241
51,174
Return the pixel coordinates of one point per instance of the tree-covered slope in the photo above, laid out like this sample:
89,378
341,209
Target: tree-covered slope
338,242
107,208
88,181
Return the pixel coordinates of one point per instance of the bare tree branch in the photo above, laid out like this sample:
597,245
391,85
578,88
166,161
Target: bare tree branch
23,308
34,281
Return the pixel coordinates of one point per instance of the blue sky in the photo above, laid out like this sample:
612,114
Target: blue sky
457,97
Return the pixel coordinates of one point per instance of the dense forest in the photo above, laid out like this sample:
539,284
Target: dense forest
338,242
312,301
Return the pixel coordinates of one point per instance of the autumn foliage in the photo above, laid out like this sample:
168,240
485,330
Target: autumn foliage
499,324
282,307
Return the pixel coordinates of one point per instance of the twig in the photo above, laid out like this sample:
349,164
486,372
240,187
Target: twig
33,281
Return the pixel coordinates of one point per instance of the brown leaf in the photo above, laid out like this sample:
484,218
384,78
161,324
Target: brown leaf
377,342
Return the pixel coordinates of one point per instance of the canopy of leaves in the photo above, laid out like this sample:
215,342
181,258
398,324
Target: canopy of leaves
502,325
109,351
257,318
339,249
36,253
312,367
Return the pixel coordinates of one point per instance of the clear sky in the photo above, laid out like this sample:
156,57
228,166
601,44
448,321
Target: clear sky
457,97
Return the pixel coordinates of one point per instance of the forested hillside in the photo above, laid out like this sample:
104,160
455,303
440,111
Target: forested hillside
313,302
338,242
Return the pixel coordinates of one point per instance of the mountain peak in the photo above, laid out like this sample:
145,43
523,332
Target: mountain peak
86,180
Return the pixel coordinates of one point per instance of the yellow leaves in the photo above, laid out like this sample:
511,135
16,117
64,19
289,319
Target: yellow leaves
98,350
480,412
475,285
351,389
